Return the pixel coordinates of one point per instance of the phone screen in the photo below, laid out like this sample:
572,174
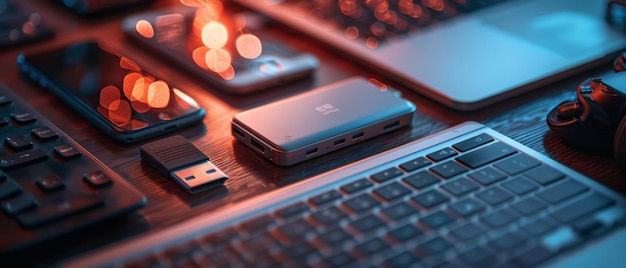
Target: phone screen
94,78
218,44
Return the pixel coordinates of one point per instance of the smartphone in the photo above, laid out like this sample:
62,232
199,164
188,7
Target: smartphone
314,123
112,91
219,47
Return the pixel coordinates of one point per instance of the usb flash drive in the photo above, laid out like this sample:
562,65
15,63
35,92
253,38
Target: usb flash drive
177,158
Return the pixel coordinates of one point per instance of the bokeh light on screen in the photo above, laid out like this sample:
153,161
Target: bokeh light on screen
144,28
214,35
158,94
249,46
109,97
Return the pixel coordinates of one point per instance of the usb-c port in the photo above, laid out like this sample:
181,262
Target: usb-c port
357,136
311,151
392,125
257,145
339,141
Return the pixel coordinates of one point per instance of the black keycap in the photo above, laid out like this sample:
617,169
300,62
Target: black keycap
487,176
460,186
9,188
562,191
529,206
97,179
415,164
494,196
472,143
404,259
258,224
361,203
220,238
539,227
334,236
430,198
296,230
405,232
325,197
437,219
467,207
18,143
387,174
367,223
586,226
292,210
399,211
340,259
581,207
499,218
421,179
66,151
23,158
373,246
298,250
517,164
449,169
392,191
442,154
468,231
58,210
508,240
477,257
44,134
544,175
19,204
486,155
520,185
329,216
23,118
50,183
435,245
356,186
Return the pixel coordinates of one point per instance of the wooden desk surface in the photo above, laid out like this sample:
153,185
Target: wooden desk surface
522,118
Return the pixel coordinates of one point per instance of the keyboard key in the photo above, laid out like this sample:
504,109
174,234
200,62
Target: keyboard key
430,198
387,174
533,256
520,185
486,155
23,118
58,210
517,164
539,227
472,143
562,191
296,230
477,257
437,219
403,259
460,187
329,216
19,204
298,250
405,232
326,197
356,186
18,143
50,183
367,223
494,196
467,207
9,188
421,179
508,240
335,236
581,207
529,206
23,158
66,151
499,218
97,179
392,191
442,154
258,224
544,175
44,134
373,246
435,245
361,203
415,164
399,211
340,259
449,169
292,210
487,176
468,231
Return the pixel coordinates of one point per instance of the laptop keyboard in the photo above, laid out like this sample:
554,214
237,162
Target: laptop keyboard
379,20
477,201
50,185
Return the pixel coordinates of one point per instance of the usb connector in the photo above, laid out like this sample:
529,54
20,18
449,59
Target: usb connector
180,160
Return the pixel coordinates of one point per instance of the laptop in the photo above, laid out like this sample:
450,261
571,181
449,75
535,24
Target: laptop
464,197
465,54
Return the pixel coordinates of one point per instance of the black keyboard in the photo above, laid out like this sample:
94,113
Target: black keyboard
468,198
383,19
50,185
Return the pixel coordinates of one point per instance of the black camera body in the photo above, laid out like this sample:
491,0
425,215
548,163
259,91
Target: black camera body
596,121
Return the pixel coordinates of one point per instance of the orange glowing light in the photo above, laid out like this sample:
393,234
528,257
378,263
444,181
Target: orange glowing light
371,43
249,46
227,74
122,114
184,97
109,97
158,94
214,35
140,107
128,64
144,28
140,90
218,60
129,84
352,32
199,56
